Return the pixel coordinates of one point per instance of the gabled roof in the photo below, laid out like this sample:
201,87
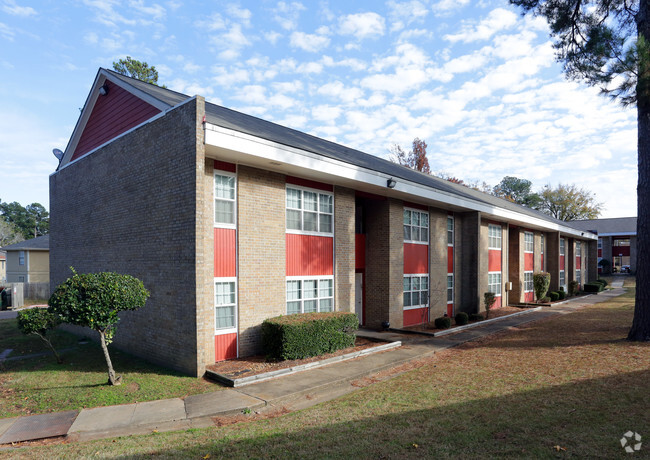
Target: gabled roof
607,227
247,124
40,243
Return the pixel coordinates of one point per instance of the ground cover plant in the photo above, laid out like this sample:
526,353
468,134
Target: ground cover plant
568,386
40,385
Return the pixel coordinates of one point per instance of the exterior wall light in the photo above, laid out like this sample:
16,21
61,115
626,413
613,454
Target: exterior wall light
391,183
103,90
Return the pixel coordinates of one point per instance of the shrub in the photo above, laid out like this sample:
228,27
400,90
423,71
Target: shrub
444,322
573,287
38,321
554,295
541,282
562,294
308,334
602,281
593,287
461,318
488,299
476,317
545,300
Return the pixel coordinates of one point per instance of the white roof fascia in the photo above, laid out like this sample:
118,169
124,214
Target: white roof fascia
273,151
618,234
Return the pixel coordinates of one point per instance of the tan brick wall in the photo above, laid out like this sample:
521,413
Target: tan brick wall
468,271
516,264
131,207
437,262
483,263
344,246
552,256
261,225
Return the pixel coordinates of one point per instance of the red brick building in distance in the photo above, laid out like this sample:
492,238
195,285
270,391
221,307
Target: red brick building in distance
229,219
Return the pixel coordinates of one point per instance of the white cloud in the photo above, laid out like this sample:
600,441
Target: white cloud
466,63
338,90
445,6
226,78
287,14
309,42
242,14
104,13
7,32
230,43
310,67
403,14
157,12
10,7
497,20
272,37
190,67
362,25
326,113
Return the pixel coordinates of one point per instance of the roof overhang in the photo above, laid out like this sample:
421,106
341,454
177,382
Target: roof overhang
236,147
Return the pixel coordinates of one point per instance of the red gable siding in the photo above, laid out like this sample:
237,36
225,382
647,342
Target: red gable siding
112,115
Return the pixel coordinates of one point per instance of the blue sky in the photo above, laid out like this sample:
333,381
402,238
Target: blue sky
475,80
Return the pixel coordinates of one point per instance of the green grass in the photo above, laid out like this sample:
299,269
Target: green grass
40,385
570,381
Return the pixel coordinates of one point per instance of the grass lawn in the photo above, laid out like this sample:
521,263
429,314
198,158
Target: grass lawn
39,385
569,386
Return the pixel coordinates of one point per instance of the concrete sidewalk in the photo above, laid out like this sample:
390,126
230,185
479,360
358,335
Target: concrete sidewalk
295,391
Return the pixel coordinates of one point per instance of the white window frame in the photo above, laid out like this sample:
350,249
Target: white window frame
420,227
578,249
21,257
450,231
562,246
600,243
578,276
233,201
493,238
495,279
421,276
562,280
450,288
318,211
225,330
302,299
529,285
542,244
529,242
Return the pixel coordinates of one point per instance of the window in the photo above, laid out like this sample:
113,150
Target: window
529,242
450,288
578,274
561,246
600,243
578,248
494,236
494,283
416,226
621,242
21,258
416,291
542,244
224,199
225,303
528,282
450,231
309,211
310,295
562,278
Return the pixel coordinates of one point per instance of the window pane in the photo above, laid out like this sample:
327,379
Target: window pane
326,305
310,306
293,307
224,317
325,287
416,218
415,233
310,221
293,290
424,235
407,217
407,232
224,187
293,220
309,290
326,203
424,220
415,298
326,223
415,282
310,201
407,284
293,198
407,299
223,212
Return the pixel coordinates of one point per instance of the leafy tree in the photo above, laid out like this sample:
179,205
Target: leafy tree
489,299
137,69
94,300
517,190
568,202
38,321
606,44
541,283
414,159
31,221
9,234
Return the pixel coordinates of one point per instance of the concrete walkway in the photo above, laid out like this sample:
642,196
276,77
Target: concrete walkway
292,392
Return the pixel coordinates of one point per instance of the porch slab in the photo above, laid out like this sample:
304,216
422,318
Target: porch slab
39,427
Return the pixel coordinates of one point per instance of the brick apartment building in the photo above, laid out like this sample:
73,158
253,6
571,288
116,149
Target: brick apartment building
616,242
229,219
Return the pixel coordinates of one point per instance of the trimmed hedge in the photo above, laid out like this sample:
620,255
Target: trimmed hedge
554,296
461,318
444,322
602,281
593,287
562,293
476,317
308,334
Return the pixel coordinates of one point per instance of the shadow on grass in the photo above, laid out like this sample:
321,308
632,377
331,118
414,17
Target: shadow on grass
586,418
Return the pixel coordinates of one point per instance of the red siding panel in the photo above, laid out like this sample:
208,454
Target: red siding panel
497,303
542,262
408,204
416,258
225,346
494,260
225,166
529,296
225,252
112,115
450,309
562,262
416,316
620,251
600,253
309,183
309,255
359,251
529,261
450,259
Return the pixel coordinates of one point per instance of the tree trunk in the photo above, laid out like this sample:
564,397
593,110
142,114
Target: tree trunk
640,330
112,378
49,344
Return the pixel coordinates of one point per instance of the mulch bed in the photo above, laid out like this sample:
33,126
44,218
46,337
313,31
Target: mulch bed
253,365
495,313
